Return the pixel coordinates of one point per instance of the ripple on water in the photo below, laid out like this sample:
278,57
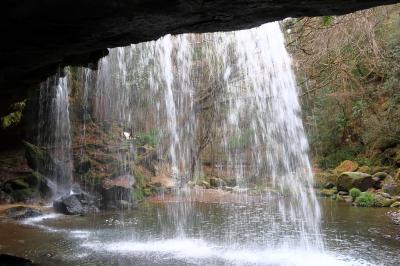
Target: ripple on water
198,250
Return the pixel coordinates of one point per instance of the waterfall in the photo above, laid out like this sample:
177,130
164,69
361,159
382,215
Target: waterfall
228,99
54,132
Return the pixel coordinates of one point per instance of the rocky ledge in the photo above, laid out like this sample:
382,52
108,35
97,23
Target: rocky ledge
41,36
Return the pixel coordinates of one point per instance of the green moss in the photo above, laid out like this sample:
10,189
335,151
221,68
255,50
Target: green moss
150,138
138,194
366,199
355,192
38,159
15,116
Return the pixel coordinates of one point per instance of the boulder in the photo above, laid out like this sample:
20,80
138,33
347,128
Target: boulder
323,178
395,204
217,182
380,201
22,212
346,166
329,185
348,180
365,169
28,187
75,204
381,175
205,184
327,192
377,182
391,186
348,199
116,190
38,159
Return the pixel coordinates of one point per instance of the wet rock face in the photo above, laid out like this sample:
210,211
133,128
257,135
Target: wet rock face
74,204
21,212
42,36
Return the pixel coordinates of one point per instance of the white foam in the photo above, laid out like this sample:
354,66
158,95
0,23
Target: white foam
190,249
40,218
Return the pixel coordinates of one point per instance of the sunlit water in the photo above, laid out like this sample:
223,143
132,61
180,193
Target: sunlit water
353,236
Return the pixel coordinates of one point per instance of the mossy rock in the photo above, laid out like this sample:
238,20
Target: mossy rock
38,159
376,169
327,192
323,178
27,187
365,169
391,186
230,181
380,201
346,166
217,182
83,166
395,204
348,180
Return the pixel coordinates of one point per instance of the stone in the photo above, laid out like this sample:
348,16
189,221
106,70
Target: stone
28,187
22,212
348,199
217,182
380,201
395,217
327,192
381,175
348,180
346,166
395,204
377,182
329,185
205,184
364,169
76,204
9,260
38,159
385,195
391,186
343,193
117,189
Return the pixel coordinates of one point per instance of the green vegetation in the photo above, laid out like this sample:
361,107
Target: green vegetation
366,199
354,192
350,82
13,118
150,138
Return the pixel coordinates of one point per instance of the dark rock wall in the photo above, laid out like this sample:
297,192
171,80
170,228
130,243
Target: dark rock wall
39,36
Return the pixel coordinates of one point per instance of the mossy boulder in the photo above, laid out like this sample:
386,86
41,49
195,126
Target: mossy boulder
348,180
38,159
381,201
27,187
21,212
327,192
217,182
395,204
365,169
391,186
229,181
346,166
323,178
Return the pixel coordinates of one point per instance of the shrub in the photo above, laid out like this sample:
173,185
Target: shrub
355,192
148,138
366,199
